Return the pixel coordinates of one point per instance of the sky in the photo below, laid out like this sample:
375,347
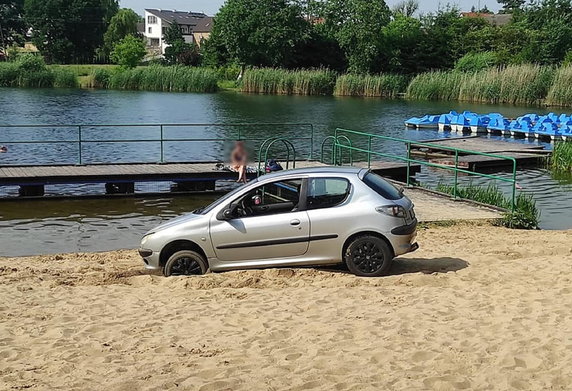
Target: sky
210,7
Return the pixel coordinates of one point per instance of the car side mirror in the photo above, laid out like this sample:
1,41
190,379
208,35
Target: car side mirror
227,214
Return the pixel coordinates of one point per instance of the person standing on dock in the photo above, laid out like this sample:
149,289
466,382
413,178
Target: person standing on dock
239,161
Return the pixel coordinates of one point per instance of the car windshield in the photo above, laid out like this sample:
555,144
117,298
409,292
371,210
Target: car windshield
223,199
382,187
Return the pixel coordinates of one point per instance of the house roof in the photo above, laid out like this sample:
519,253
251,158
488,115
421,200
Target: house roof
494,19
204,25
181,17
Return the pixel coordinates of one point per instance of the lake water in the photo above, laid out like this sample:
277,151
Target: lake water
30,227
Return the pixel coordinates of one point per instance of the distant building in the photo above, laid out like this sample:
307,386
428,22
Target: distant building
195,26
494,19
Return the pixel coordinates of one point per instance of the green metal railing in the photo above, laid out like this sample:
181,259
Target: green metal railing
81,141
369,138
265,149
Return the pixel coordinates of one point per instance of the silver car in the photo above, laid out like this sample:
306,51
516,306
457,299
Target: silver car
306,217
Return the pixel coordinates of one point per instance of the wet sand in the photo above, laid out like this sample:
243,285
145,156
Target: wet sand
476,308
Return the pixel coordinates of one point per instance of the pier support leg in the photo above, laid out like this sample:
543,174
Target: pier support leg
193,186
120,188
31,191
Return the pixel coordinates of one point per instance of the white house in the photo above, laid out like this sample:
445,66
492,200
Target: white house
195,26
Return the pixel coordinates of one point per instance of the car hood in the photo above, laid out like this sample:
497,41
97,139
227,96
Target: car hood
178,220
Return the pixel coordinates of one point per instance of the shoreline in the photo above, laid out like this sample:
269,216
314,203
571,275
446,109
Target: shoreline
477,307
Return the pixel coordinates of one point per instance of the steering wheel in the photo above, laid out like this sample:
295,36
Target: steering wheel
244,209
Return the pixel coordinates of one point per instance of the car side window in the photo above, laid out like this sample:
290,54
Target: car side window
327,192
272,198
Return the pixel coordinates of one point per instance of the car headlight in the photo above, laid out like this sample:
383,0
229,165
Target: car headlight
392,210
145,239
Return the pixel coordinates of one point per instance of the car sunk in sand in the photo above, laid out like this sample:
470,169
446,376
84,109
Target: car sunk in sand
305,217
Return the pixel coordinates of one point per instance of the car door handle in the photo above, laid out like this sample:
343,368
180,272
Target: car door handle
295,222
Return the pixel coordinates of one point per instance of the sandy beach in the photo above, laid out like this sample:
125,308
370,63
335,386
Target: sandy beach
476,308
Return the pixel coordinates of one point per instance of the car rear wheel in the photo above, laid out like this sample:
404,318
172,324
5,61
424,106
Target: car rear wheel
368,256
185,263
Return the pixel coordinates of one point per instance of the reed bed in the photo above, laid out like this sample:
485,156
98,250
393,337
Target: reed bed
560,94
525,216
561,160
383,86
515,84
288,82
156,78
31,72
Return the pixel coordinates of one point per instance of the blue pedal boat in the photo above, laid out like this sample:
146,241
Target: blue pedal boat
427,121
566,132
499,125
521,127
547,130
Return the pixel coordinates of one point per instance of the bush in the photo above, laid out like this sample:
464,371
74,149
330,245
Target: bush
474,62
386,86
100,78
129,52
289,82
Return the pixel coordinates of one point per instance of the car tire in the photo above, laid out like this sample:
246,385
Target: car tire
368,256
185,263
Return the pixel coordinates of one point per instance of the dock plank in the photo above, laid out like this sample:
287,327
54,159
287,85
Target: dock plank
153,172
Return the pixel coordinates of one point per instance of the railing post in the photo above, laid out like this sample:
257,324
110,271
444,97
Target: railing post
513,185
368,152
335,149
311,141
162,146
79,145
456,174
408,181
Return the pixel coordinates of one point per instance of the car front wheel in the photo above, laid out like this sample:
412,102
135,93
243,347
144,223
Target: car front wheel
185,263
368,256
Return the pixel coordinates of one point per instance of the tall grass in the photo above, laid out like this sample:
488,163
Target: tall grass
561,160
156,78
288,82
525,216
560,94
64,78
515,84
26,71
385,85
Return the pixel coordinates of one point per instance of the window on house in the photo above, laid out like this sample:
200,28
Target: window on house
150,30
152,19
154,42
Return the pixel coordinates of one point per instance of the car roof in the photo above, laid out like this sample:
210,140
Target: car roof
342,170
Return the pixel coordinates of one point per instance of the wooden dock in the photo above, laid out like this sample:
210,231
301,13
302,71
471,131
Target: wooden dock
121,178
525,154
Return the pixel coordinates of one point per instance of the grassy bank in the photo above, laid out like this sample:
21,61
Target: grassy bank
156,78
384,86
526,215
31,72
288,82
561,160
516,84
560,93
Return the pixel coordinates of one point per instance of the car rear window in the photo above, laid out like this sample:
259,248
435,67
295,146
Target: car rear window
382,187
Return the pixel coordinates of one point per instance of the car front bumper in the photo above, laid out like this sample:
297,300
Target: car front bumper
150,258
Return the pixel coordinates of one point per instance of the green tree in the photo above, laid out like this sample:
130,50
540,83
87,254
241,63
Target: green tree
12,27
70,30
129,52
173,34
401,42
510,6
260,32
358,27
406,8
122,24
179,51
